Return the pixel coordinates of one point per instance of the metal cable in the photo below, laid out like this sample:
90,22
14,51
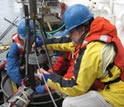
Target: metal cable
45,81
43,33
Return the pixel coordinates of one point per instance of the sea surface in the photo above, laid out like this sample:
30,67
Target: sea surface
9,9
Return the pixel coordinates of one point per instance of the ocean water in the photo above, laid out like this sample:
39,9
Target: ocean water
9,9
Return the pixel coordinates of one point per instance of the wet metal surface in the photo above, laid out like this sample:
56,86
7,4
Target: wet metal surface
9,9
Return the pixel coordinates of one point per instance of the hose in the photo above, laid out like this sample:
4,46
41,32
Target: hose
50,33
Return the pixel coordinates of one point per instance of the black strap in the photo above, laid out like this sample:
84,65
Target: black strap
110,66
110,82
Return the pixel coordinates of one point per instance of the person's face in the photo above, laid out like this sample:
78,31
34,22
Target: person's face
75,35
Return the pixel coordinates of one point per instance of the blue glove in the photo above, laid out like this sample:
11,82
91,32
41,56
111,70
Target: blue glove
46,76
40,89
39,41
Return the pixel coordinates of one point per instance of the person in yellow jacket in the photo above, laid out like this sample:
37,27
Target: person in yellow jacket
98,79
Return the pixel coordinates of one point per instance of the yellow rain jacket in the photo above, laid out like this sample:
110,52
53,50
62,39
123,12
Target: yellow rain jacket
91,63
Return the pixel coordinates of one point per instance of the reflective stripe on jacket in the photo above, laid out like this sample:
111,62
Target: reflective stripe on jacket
19,43
13,59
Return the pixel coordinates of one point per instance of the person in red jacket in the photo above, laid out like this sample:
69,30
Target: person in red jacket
63,64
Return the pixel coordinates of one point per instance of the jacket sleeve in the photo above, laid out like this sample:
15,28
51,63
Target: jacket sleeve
60,44
86,70
13,69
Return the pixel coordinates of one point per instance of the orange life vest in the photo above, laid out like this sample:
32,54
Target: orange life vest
72,57
19,43
119,58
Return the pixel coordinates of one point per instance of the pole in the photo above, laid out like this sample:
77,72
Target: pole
8,28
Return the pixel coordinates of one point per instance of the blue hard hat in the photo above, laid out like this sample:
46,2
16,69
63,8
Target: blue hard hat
22,30
76,15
